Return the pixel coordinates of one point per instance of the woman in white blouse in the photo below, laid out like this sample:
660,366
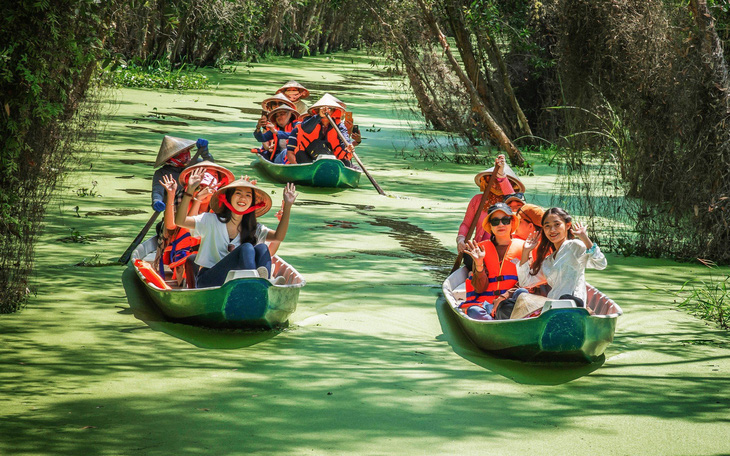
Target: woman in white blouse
564,250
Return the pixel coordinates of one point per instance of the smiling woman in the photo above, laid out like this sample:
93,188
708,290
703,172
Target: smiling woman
230,237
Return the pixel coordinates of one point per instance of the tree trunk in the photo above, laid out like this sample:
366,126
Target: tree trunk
495,130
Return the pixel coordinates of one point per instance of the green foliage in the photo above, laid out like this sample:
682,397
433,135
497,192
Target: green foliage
157,76
708,298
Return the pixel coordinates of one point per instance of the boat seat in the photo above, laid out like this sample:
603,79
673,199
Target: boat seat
558,304
460,292
241,274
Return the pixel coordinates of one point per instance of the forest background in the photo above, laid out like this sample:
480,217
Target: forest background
629,97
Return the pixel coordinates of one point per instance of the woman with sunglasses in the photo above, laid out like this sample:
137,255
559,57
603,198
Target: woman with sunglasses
564,250
507,183
494,274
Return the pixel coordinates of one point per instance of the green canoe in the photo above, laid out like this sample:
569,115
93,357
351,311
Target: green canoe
326,171
558,334
250,302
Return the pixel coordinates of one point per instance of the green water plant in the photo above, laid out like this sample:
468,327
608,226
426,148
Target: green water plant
709,297
158,76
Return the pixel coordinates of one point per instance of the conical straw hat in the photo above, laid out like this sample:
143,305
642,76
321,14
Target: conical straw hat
526,304
295,85
327,101
282,108
279,99
170,147
261,196
210,166
517,184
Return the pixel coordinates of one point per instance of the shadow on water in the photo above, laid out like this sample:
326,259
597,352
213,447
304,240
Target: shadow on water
186,116
252,111
177,123
145,310
137,162
116,212
520,372
420,243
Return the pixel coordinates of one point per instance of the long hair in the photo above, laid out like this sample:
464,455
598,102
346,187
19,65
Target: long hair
247,227
546,247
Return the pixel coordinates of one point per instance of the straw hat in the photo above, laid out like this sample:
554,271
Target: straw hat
517,184
170,147
327,101
283,108
294,85
526,304
531,213
280,99
496,208
209,166
261,196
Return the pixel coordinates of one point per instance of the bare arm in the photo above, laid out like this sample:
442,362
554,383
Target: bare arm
170,185
181,217
290,196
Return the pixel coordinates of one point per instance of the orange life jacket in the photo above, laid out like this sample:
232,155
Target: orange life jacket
502,276
150,275
304,139
179,249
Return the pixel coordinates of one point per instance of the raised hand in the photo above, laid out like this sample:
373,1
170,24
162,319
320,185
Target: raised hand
532,241
580,231
474,250
271,127
262,122
204,193
499,165
196,177
290,194
169,183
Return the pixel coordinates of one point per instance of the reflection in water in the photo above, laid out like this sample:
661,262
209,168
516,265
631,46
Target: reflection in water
145,310
519,371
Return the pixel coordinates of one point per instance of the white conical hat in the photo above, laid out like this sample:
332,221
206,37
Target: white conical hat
517,184
294,85
327,101
282,108
280,99
170,147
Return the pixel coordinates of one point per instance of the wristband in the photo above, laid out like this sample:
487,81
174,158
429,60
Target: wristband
592,250
188,194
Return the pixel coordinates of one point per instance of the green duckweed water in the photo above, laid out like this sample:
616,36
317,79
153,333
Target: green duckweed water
372,362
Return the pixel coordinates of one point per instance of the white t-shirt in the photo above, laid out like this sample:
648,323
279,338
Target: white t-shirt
565,271
214,239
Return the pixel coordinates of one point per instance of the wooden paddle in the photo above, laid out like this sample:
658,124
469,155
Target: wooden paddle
342,138
473,225
128,253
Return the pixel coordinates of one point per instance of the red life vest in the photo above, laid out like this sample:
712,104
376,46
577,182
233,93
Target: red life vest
179,249
502,276
304,139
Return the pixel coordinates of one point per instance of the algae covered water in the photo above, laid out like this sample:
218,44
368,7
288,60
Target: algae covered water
372,362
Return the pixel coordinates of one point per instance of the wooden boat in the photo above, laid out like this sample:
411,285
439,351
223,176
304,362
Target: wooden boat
250,302
325,171
557,334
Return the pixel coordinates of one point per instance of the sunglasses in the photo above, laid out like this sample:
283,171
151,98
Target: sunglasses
504,221
518,195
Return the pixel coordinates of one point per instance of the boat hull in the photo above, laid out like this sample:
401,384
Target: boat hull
240,303
557,335
323,172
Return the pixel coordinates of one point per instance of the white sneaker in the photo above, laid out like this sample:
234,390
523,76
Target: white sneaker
263,272
281,280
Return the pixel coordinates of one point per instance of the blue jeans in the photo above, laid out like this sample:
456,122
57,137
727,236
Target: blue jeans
245,256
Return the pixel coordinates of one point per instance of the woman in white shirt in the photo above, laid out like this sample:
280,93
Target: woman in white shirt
230,236
560,259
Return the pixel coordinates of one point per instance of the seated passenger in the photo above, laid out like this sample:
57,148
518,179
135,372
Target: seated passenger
275,101
315,136
515,201
493,271
295,92
560,259
507,182
230,236
281,122
530,220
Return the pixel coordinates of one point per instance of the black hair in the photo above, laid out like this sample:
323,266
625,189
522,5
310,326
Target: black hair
247,227
546,247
